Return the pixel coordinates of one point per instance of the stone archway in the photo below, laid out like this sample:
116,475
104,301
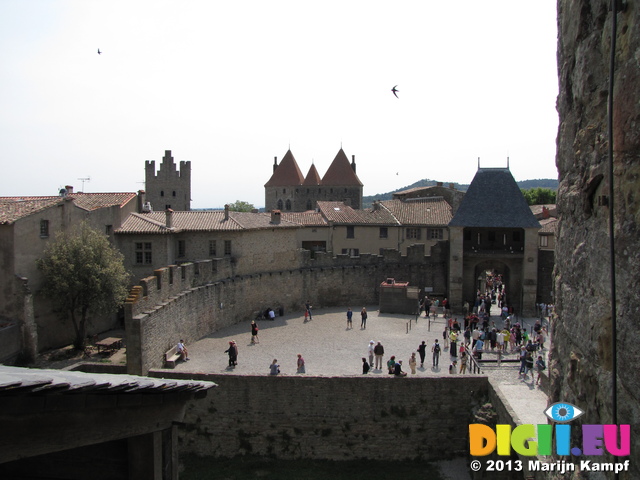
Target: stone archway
476,278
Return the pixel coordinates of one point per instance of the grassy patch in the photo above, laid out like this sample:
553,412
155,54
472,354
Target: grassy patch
251,467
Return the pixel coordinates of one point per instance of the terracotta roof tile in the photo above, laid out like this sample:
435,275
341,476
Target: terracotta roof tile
198,221
340,172
549,226
287,173
312,178
420,211
307,219
14,208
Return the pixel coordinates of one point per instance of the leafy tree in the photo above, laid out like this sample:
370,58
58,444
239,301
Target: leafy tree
83,274
539,196
241,206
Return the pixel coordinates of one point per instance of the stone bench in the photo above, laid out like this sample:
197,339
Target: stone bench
171,357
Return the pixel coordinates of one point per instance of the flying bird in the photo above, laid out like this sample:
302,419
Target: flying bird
395,90
99,52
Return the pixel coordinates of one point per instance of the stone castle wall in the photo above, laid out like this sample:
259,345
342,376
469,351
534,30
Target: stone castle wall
335,418
581,363
193,300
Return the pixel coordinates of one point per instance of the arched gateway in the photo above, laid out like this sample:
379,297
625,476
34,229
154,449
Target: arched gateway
494,229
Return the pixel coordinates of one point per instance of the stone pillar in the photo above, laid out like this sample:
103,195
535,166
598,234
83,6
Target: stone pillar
530,272
145,456
456,264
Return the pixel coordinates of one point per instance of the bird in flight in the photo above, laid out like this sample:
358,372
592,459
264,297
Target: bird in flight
395,90
99,52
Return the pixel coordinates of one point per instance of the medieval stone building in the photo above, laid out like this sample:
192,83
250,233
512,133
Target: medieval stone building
494,230
169,188
288,190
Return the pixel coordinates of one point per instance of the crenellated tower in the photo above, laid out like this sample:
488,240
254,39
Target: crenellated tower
169,188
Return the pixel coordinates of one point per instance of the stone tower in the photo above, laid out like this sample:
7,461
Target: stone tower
288,190
169,188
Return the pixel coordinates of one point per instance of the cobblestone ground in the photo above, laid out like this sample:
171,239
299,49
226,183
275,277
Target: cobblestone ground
331,349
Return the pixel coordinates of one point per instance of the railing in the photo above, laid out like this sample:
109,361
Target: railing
474,366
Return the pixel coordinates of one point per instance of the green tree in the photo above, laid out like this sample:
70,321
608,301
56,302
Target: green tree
83,274
539,196
240,206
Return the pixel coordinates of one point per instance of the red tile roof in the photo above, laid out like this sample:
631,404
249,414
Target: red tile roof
340,172
287,173
199,221
420,211
312,178
14,208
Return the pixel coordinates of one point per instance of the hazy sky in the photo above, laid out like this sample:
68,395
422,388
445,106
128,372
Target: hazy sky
230,85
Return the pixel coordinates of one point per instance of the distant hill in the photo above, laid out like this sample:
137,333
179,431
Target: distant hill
368,200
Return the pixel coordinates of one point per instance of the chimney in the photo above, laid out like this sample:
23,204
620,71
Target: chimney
353,163
275,163
452,186
141,200
169,215
226,212
69,189
275,217
376,205
545,212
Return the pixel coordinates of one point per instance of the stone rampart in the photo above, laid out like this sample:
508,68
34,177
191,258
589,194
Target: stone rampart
193,300
335,418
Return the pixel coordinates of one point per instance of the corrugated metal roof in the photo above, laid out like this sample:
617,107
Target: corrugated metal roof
26,381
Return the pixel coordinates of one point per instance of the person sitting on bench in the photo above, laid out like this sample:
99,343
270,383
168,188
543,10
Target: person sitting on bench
182,350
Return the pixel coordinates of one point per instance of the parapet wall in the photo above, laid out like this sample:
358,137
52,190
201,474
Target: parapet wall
193,300
335,418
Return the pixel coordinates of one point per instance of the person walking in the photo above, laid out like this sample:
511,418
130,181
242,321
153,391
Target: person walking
307,311
413,362
233,353
254,332
435,349
379,352
349,318
363,314
464,358
422,351
365,366
371,352
301,368
540,366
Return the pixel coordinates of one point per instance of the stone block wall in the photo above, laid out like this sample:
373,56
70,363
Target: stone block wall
581,366
335,418
193,300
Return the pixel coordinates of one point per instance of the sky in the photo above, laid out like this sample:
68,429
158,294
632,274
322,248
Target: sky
229,85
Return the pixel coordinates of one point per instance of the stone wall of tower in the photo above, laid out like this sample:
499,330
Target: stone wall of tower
169,187
582,365
303,198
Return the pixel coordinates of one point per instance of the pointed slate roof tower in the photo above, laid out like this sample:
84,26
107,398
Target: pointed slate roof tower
341,172
312,178
288,173
494,200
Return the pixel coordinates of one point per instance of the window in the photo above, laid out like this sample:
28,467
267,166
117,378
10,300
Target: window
516,236
227,247
544,241
384,232
174,193
351,231
309,205
467,235
108,229
413,233
143,253
352,252
288,205
436,233
491,236
44,228
181,248
280,204
162,193
212,248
